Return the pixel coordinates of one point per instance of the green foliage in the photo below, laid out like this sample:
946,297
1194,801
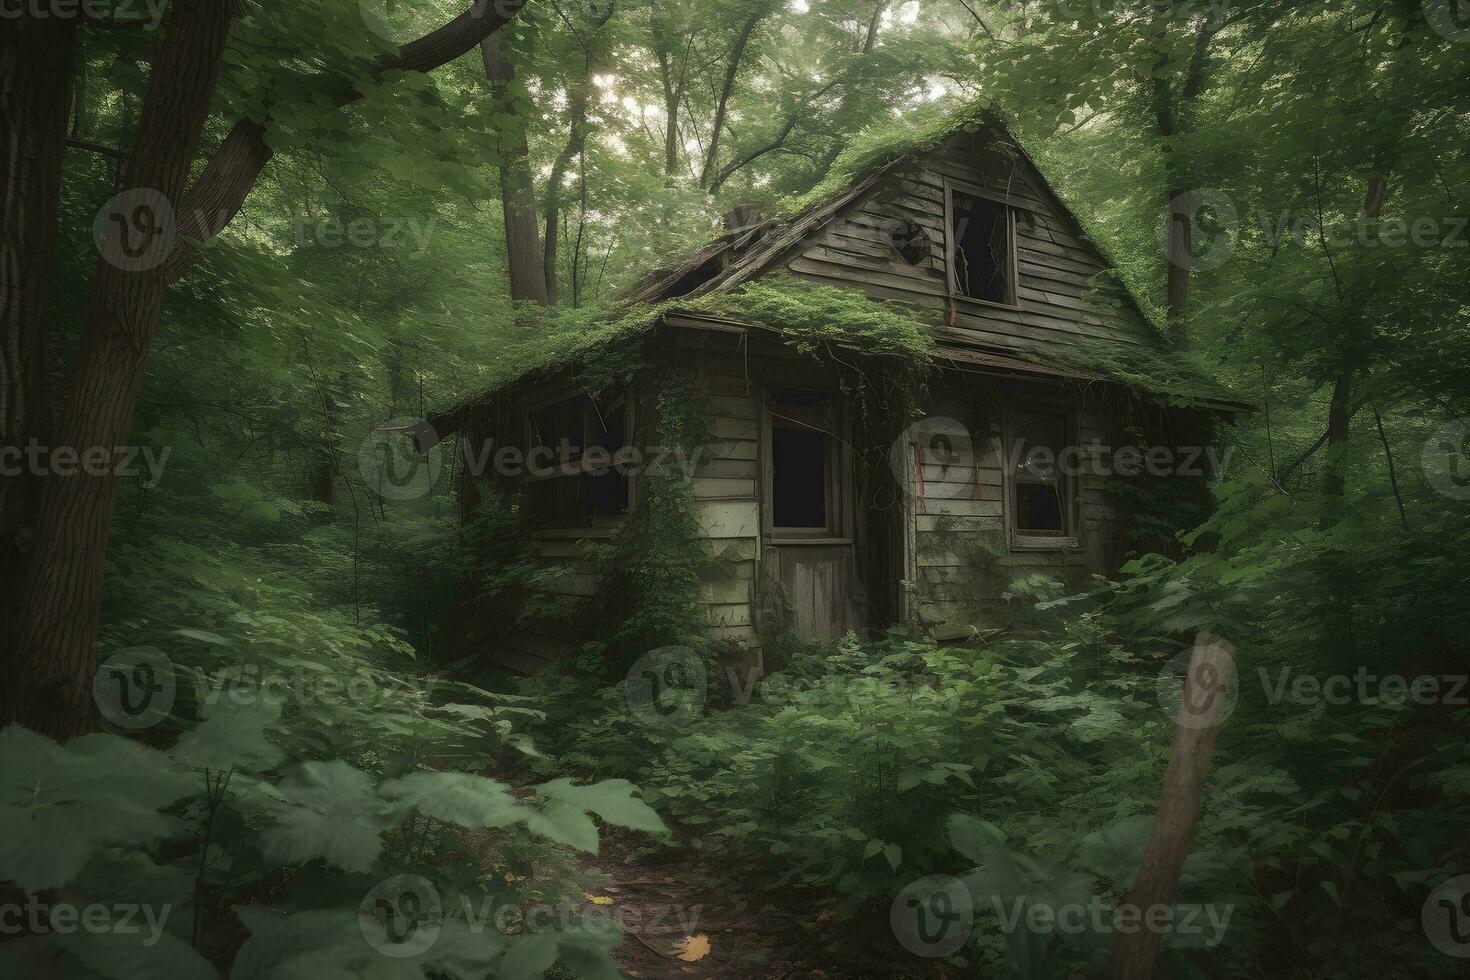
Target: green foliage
63,809
653,560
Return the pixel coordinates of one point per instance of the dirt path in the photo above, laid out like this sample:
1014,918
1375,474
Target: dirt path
698,920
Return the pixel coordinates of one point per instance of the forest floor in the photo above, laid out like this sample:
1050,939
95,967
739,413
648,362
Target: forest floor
699,916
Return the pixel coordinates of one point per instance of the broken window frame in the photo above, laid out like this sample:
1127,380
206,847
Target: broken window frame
594,413
960,189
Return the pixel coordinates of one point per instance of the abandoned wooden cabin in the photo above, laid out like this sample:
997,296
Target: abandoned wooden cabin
806,530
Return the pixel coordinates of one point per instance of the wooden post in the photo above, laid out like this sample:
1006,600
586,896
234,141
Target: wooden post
1211,667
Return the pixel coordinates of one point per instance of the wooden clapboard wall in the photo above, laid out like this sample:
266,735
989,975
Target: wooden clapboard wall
1056,265
961,560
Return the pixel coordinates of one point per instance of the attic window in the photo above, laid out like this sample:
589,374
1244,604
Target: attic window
982,254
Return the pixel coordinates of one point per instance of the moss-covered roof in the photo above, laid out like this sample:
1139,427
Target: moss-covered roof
740,288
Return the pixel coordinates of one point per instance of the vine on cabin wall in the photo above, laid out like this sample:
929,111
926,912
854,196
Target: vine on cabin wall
651,564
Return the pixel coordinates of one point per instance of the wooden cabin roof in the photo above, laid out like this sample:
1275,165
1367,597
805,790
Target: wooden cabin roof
1074,316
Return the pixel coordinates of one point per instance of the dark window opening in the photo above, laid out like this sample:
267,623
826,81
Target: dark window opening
981,233
605,491
1039,486
798,477
572,491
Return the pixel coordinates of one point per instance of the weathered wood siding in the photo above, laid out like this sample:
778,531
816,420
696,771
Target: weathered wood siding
727,484
1056,265
961,557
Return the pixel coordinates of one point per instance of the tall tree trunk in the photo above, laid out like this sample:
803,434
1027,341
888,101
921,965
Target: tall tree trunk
50,682
576,141
35,75
1174,114
732,67
517,194
1206,685
674,84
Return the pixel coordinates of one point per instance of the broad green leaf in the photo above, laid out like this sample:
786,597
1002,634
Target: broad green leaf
59,805
338,817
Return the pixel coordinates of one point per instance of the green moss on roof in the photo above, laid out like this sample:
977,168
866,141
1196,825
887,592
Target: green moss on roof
874,146
605,343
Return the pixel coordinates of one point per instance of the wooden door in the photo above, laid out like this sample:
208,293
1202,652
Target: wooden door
806,509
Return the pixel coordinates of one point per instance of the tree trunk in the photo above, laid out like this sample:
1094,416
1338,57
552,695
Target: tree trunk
576,140
731,69
1173,114
1211,667
49,686
517,195
35,76
663,48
